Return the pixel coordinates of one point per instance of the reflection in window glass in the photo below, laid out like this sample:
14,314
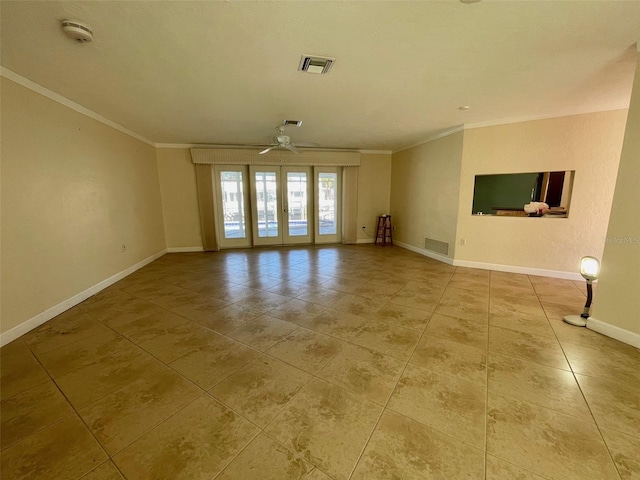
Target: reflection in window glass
507,194
297,203
233,207
267,204
327,203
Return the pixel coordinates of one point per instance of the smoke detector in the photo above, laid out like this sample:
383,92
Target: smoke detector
315,64
78,31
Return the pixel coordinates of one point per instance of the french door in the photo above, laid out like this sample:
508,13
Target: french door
233,219
277,205
328,205
281,205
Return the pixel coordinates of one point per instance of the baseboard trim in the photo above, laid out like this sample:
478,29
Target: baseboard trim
612,331
426,253
34,322
365,240
516,269
492,266
184,249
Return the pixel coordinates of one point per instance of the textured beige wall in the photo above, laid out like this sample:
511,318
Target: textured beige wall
179,197
424,191
617,301
374,178
590,144
73,191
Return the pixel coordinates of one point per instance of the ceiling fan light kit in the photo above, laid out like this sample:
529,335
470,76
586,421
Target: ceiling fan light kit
283,142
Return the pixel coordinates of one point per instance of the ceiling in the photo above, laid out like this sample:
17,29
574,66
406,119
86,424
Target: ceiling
214,72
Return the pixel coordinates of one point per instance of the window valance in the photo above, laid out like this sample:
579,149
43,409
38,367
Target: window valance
241,156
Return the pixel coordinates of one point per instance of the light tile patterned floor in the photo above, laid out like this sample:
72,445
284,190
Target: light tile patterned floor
333,362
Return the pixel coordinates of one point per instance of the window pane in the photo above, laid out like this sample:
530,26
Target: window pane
233,207
327,203
266,195
297,203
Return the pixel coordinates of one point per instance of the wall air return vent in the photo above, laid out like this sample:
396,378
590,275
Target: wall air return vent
315,64
436,246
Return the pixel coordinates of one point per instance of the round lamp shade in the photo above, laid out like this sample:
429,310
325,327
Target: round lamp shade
590,268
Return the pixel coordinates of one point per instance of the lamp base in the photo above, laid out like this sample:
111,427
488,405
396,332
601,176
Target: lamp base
576,320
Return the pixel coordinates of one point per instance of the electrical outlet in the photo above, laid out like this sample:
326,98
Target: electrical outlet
123,248
463,241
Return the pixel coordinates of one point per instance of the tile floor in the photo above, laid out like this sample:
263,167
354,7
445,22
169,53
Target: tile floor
338,362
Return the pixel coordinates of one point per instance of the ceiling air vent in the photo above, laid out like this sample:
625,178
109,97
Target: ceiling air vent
313,64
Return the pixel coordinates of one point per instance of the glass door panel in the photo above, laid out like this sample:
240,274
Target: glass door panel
266,205
280,198
297,196
327,205
232,202
233,205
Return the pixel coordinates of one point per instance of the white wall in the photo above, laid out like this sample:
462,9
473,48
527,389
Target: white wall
590,144
374,189
179,198
73,191
425,182
617,302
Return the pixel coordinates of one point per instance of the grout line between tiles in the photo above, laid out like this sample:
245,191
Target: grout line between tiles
251,269
77,413
64,417
519,467
108,460
597,425
486,369
119,389
385,406
575,379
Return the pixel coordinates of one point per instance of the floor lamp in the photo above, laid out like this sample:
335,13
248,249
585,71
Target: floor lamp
589,269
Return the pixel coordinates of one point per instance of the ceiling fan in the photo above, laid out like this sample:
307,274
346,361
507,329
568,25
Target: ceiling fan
283,142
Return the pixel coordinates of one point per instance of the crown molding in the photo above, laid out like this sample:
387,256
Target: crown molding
504,121
25,82
533,118
181,145
444,133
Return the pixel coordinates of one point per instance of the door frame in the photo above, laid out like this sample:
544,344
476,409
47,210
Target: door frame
257,239
328,238
282,206
288,239
219,205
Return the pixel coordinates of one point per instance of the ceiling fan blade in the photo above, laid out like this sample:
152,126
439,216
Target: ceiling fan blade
303,144
267,150
291,148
